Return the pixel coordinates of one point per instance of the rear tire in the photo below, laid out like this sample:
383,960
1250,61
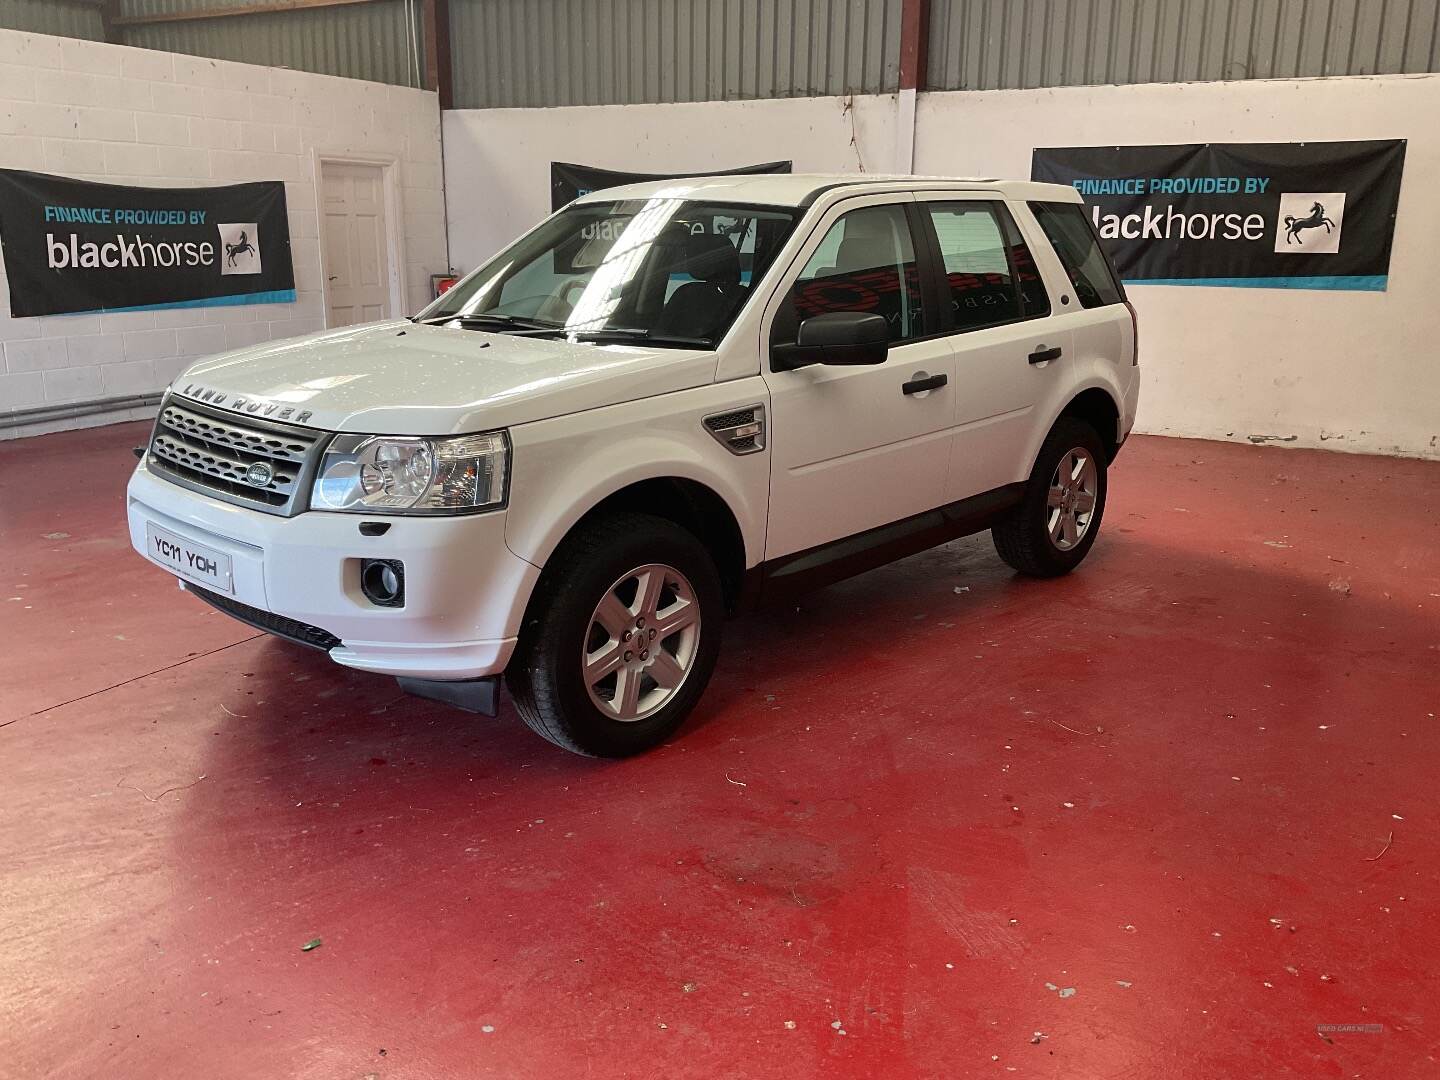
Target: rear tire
621,637
1053,528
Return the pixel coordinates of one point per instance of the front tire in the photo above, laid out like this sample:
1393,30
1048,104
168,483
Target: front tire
621,639
1055,525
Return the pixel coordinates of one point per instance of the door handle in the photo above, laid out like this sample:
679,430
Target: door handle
1043,355
929,382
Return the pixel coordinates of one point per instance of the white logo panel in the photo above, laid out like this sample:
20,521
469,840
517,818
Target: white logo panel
239,248
1310,222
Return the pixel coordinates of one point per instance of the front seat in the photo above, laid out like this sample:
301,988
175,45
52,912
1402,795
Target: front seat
701,307
869,249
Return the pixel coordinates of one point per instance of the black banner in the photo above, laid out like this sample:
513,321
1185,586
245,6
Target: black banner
1317,215
73,245
568,182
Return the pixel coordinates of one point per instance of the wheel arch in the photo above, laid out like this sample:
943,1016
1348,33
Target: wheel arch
1096,403
690,502
695,507
1097,406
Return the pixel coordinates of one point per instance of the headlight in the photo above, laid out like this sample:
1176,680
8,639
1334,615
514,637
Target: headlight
383,474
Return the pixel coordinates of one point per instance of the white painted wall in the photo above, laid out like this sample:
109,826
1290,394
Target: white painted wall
134,116
1348,371
497,161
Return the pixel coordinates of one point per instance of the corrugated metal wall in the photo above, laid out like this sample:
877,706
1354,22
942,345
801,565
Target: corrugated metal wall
590,52
362,41
600,52
1009,44
58,17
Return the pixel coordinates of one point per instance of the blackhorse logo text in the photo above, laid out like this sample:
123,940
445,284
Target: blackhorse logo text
125,252
1168,223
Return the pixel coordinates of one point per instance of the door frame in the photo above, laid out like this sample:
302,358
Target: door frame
389,166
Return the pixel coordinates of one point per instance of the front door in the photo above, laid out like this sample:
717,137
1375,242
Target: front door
853,448
357,246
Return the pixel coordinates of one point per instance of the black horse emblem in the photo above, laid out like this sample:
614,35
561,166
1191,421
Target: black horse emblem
1293,226
242,247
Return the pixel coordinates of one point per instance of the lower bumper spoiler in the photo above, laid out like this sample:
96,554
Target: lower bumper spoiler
472,695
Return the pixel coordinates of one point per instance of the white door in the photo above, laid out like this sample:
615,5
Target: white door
854,448
997,305
357,250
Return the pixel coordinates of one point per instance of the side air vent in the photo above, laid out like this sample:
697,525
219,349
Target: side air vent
741,431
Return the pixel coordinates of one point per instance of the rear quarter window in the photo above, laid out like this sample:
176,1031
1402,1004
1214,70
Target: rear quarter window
1070,233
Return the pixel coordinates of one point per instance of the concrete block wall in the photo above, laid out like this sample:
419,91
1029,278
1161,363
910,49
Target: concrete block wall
135,116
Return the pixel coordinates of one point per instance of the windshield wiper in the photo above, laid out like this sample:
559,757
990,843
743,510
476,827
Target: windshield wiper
483,318
527,328
624,334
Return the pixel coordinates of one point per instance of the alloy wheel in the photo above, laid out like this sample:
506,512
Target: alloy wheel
1074,492
641,642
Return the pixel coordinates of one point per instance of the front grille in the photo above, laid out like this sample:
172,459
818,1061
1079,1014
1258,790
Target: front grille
209,451
289,629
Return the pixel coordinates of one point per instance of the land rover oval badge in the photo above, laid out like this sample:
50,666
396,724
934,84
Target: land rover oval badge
259,475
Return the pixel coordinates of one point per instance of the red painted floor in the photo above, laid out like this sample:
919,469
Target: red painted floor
1159,819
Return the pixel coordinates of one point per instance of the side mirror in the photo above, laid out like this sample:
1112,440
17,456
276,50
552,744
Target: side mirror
839,337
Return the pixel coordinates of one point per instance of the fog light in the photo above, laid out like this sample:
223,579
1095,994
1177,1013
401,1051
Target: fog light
383,581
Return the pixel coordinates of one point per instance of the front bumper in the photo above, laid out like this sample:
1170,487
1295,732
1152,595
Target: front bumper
465,591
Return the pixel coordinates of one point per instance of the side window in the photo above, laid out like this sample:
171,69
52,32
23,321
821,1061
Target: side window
989,273
866,262
1068,229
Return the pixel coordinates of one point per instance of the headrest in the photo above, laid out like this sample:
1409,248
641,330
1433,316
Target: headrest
710,257
869,242
864,253
871,225
674,234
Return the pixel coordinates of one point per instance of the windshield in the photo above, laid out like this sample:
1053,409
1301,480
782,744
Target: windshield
668,271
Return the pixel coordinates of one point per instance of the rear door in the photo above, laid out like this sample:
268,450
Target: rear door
1100,324
854,448
994,308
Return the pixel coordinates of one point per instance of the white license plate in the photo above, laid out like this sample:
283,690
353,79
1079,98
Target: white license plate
192,561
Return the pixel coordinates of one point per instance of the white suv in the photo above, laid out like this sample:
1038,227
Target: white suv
664,404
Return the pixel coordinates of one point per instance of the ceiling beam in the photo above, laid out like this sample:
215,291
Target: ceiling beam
234,11
109,11
914,43
436,18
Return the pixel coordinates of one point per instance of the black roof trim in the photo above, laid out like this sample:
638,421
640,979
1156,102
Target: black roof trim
809,200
